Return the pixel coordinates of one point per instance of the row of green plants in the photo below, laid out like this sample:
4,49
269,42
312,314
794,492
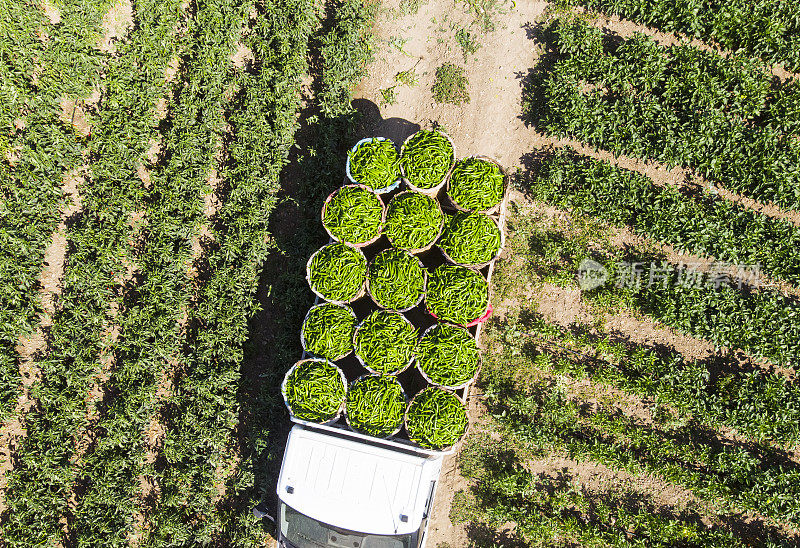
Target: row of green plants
555,508
716,307
540,410
150,335
769,30
36,152
703,224
722,117
44,474
764,406
206,408
342,46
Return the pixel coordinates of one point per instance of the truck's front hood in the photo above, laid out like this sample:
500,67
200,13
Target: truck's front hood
352,485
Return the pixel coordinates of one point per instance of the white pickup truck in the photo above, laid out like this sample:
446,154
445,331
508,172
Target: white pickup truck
341,489
344,490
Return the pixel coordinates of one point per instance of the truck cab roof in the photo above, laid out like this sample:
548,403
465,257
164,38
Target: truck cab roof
356,484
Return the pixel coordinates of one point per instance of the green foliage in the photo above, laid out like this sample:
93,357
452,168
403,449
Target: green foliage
468,42
388,96
450,85
725,118
760,405
38,151
770,30
702,224
734,475
555,510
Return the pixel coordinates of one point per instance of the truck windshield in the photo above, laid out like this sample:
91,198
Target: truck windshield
302,531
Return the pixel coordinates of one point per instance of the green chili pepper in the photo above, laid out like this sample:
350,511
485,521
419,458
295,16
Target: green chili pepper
375,164
413,220
457,294
436,418
375,405
396,279
314,390
353,215
328,330
337,272
385,342
476,185
448,355
470,238
426,159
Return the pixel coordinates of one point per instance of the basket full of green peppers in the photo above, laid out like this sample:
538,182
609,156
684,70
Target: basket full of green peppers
448,356
354,214
457,294
337,273
314,390
476,184
436,419
374,162
413,221
384,342
396,280
425,160
327,331
471,239
375,406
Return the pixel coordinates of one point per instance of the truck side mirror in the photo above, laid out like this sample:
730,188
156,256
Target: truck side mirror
262,511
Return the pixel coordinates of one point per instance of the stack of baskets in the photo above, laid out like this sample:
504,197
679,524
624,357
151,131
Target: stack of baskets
400,287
